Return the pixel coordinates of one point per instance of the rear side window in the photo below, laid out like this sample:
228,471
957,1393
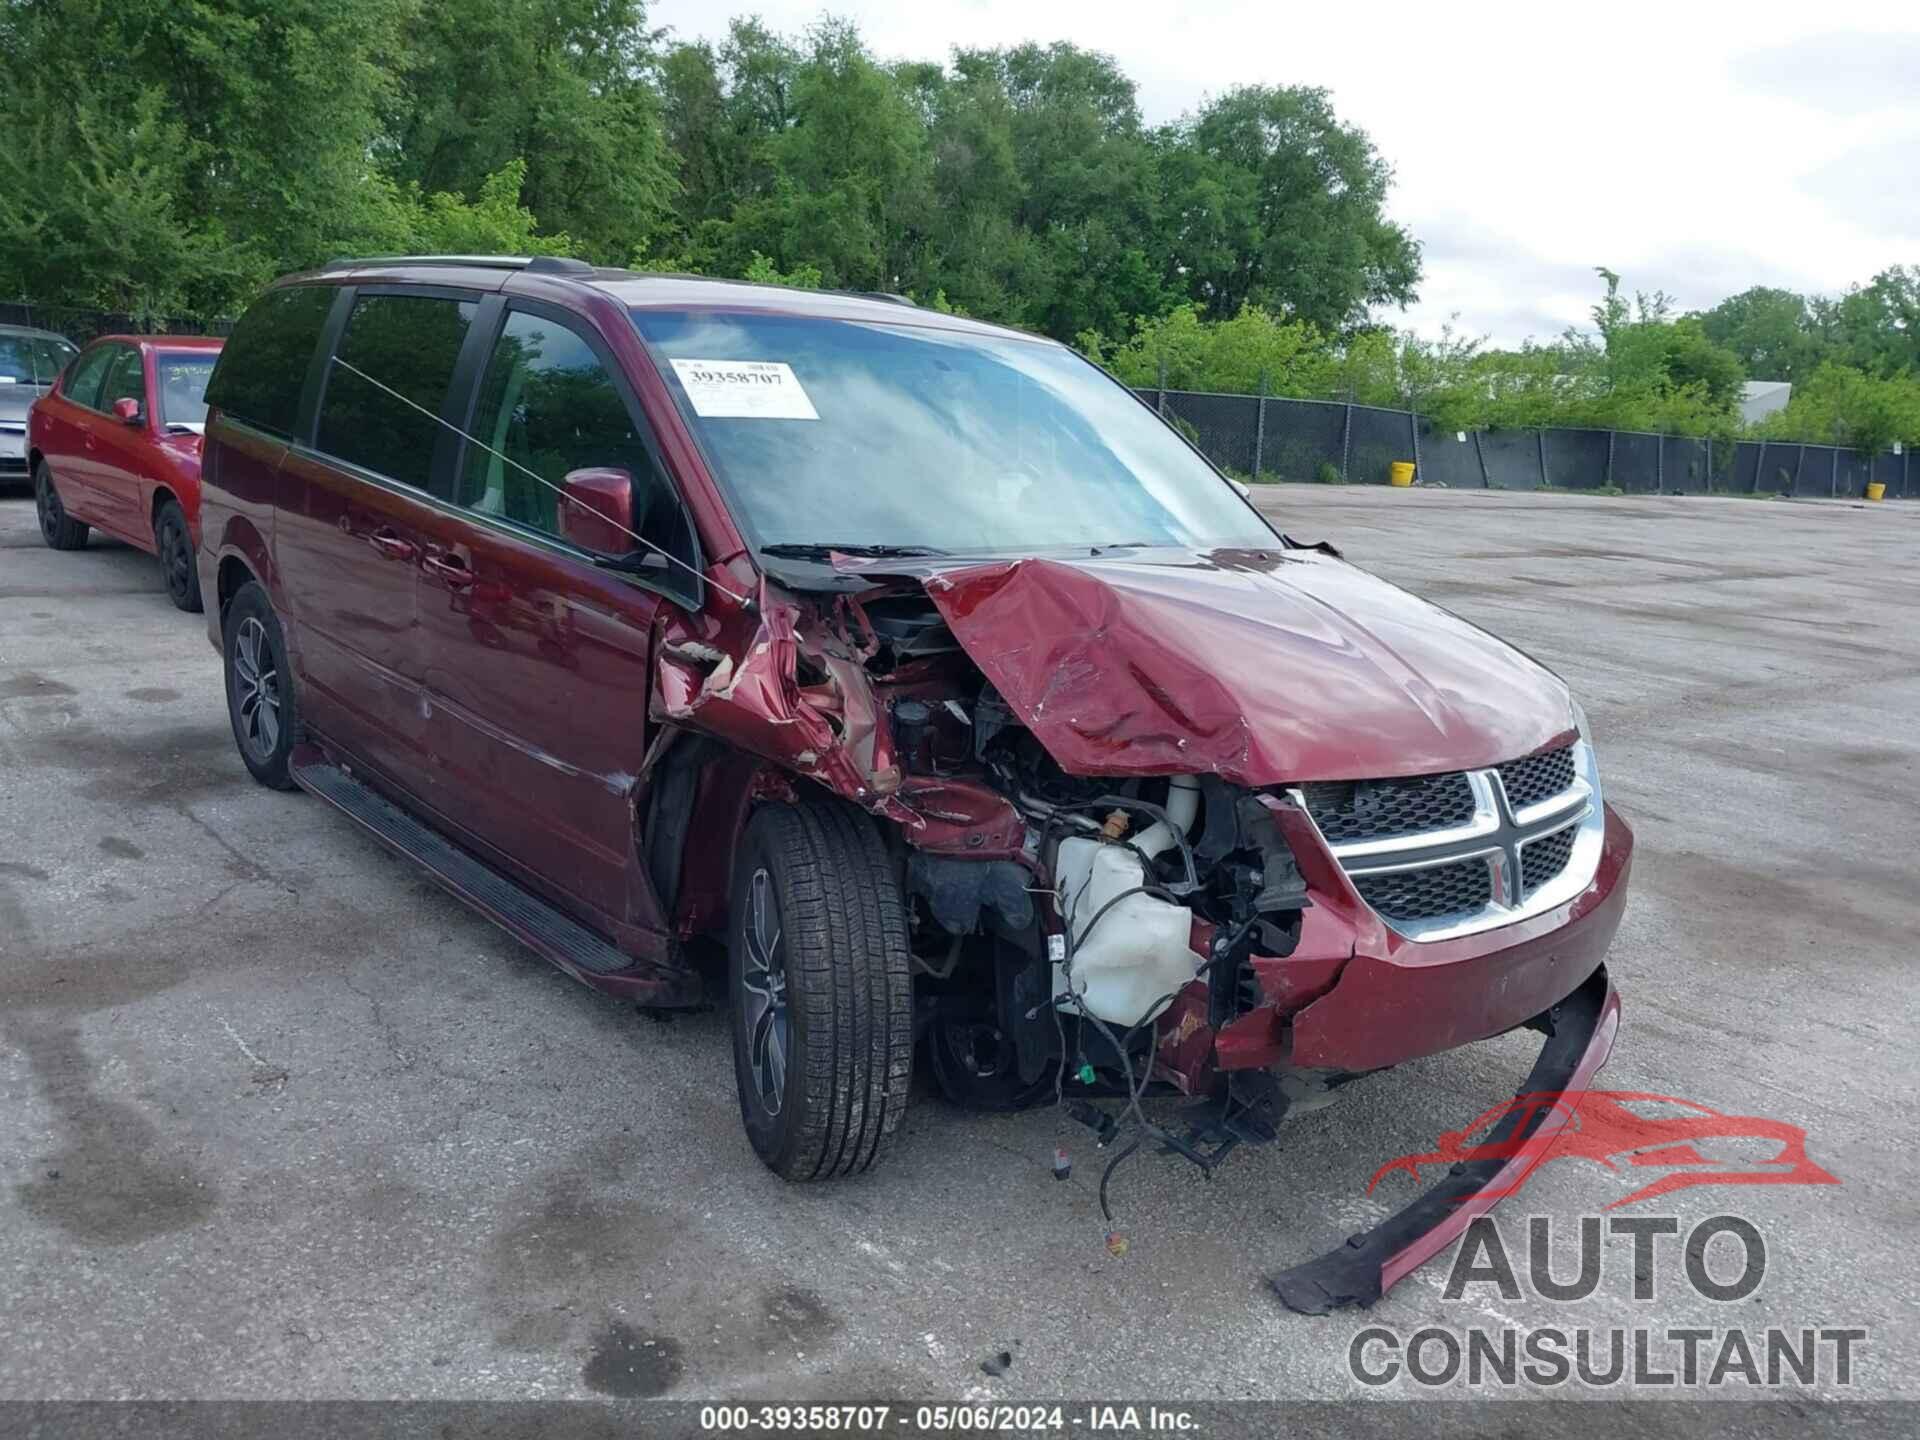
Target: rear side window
83,384
403,343
265,362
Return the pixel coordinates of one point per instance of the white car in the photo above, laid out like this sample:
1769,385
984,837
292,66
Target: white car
29,362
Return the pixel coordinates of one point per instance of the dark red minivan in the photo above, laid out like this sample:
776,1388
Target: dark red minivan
921,666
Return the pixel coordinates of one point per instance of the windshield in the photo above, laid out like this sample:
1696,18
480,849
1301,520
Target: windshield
183,386
32,359
895,436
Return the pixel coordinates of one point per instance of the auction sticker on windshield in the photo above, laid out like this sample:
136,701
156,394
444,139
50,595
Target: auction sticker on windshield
744,390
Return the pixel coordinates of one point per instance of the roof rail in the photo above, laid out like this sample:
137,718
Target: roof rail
536,264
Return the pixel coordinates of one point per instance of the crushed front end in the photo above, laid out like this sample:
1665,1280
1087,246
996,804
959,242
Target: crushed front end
1141,861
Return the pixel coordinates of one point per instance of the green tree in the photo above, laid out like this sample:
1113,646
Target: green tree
851,188
762,271
1771,332
1647,371
1842,405
562,86
100,222
1191,352
1272,201
1087,197
493,223
1876,327
249,123
978,252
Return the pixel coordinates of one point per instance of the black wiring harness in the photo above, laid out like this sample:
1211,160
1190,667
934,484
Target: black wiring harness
1144,1129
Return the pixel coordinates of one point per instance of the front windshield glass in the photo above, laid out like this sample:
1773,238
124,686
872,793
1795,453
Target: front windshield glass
182,381
32,359
858,434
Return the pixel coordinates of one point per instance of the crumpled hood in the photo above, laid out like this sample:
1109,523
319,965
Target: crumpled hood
1257,666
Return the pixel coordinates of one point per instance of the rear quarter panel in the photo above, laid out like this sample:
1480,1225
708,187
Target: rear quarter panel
238,479
55,432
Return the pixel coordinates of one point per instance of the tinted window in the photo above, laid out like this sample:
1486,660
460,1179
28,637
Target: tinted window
83,384
125,379
406,343
265,362
182,386
548,406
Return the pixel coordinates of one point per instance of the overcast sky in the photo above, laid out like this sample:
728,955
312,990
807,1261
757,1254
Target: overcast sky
1696,148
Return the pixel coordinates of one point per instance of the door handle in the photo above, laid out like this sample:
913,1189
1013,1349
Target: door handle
451,569
393,546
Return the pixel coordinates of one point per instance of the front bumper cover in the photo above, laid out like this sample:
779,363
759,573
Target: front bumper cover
1581,1031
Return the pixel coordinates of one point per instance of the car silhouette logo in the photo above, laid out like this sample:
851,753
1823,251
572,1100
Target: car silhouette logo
1626,1130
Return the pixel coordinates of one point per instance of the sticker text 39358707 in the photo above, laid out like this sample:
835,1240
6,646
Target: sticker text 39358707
744,390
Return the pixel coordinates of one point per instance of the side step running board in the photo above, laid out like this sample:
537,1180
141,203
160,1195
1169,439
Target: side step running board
540,926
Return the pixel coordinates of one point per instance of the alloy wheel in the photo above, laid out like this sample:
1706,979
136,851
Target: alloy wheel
256,689
769,1028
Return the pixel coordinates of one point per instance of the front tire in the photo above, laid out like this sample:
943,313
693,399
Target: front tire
822,991
173,543
59,529
260,696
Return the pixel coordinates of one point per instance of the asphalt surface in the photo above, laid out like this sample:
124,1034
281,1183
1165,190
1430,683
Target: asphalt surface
277,1119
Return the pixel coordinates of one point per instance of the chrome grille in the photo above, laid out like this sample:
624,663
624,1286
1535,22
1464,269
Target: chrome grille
1538,777
1542,860
1444,855
1456,889
1368,809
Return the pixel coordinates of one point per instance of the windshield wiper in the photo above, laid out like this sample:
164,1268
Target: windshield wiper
790,550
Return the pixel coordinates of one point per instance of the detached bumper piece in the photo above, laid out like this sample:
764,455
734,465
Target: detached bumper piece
1580,1034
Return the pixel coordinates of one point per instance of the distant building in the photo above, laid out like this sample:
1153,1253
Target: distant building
1760,398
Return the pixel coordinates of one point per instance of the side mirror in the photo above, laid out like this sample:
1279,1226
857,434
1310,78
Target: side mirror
597,513
127,411
1246,490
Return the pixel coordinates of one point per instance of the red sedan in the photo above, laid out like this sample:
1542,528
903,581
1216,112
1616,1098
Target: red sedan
116,444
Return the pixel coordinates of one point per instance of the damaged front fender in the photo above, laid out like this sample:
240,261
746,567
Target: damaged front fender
787,682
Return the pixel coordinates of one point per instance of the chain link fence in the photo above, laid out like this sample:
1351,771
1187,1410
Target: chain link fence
1270,438
80,325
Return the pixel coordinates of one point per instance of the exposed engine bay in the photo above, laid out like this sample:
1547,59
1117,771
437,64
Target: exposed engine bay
1056,919
1101,780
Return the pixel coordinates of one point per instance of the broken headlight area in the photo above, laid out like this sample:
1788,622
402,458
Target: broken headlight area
1094,968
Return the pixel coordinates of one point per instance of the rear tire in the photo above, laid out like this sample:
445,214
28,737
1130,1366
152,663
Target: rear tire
821,988
59,529
260,696
173,543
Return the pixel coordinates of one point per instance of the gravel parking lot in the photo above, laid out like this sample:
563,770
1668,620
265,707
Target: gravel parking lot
278,1119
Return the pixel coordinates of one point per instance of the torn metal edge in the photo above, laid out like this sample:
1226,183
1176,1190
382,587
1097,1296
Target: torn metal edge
1581,1034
